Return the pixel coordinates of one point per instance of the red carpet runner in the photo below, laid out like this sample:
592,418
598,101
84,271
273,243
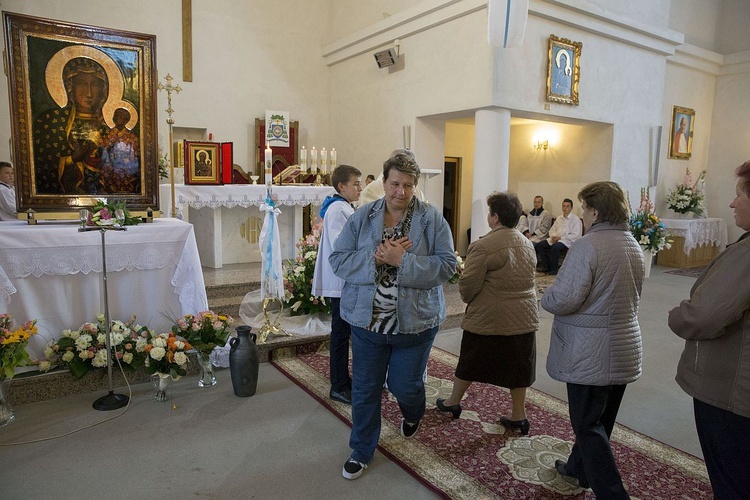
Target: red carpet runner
473,457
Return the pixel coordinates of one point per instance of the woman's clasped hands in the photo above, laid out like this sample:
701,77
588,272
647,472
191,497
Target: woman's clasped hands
392,251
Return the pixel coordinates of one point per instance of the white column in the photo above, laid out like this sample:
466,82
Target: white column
491,159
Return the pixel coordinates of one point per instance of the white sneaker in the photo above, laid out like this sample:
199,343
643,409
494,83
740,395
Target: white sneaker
353,469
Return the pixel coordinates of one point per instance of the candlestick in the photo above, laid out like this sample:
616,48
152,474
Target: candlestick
323,161
269,160
303,160
333,159
313,161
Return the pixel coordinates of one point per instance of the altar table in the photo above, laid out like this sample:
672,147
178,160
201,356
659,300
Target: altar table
227,232
696,242
53,273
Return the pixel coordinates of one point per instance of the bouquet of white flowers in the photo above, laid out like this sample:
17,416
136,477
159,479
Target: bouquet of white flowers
688,196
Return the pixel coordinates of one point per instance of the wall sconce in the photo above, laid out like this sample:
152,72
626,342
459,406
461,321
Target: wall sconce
540,144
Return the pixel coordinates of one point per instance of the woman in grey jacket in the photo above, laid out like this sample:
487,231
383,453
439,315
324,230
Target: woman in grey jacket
595,344
715,365
394,254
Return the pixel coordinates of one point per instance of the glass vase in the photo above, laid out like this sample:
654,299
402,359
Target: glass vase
207,377
6,411
161,383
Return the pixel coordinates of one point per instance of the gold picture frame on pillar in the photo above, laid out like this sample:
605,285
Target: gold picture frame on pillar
563,70
681,135
83,114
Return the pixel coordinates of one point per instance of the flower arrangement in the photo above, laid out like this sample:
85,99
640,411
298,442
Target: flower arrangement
86,348
204,330
459,269
688,196
166,354
298,277
646,227
13,345
103,214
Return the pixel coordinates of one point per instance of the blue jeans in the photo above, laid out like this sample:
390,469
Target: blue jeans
404,358
339,360
548,255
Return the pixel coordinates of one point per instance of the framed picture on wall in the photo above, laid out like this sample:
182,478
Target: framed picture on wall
563,70
202,163
681,136
83,114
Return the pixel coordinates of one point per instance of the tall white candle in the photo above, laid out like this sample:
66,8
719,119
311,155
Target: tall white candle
303,160
333,159
269,162
313,161
323,161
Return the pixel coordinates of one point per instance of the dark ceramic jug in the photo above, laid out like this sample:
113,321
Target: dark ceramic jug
243,362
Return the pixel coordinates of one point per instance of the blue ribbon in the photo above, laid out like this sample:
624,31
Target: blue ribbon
268,266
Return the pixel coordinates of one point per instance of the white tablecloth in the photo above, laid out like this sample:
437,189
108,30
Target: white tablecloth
697,232
239,195
53,273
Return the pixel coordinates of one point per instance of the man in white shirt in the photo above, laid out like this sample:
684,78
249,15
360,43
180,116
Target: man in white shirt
566,229
7,192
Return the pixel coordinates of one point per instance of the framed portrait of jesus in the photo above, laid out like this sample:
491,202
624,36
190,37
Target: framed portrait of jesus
83,114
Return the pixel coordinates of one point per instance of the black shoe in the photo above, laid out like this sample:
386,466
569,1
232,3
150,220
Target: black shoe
353,469
560,467
521,426
408,429
455,409
342,397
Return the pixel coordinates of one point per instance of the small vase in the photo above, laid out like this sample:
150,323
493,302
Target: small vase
6,411
648,258
207,377
161,383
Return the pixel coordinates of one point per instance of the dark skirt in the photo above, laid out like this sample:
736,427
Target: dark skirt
503,360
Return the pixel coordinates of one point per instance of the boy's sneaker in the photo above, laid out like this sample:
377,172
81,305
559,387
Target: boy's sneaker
408,429
353,469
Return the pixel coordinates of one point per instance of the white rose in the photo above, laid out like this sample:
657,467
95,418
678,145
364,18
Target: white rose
140,344
117,326
157,353
84,355
100,358
68,356
74,334
44,366
100,318
66,333
179,345
180,358
48,352
127,357
159,342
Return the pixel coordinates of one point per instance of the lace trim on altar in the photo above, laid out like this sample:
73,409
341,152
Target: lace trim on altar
57,261
702,233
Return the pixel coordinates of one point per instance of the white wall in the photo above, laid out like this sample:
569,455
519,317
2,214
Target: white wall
243,63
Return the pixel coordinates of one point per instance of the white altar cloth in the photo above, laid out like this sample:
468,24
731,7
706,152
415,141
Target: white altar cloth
697,232
52,273
227,219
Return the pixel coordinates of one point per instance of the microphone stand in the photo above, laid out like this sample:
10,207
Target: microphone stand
111,401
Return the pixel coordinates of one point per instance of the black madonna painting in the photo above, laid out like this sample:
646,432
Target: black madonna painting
83,115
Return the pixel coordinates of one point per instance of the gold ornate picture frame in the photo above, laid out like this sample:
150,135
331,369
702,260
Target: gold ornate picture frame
681,135
563,70
202,163
83,114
